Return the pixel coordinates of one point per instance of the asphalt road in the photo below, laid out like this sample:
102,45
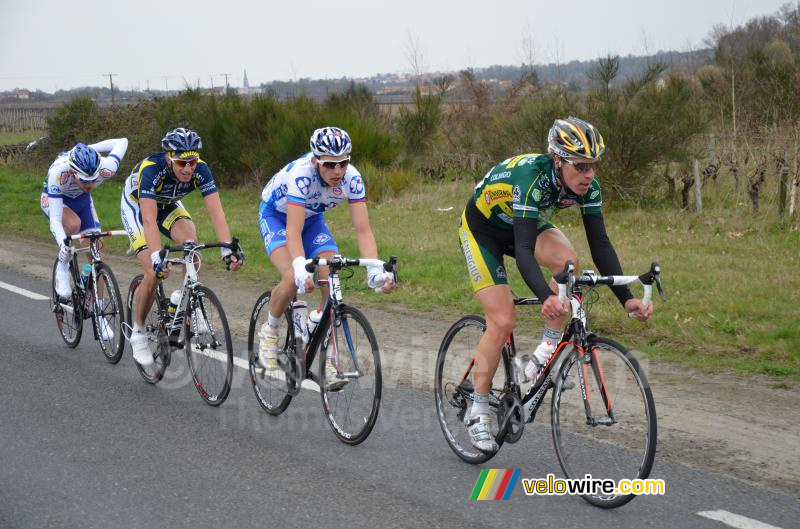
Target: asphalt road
84,443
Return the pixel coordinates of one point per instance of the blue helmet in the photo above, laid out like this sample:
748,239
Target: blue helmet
330,141
181,139
85,161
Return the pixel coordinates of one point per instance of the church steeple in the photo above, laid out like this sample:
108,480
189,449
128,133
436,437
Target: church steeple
245,82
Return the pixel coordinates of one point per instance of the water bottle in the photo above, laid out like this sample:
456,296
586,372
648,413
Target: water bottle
313,320
86,271
174,300
175,332
300,318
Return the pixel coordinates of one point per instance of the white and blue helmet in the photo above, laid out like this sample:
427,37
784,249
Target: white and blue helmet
85,161
180,140
330,141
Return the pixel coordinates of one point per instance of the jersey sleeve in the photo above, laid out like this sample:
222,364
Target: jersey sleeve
356,190
54,179
526,195
204,180
148,173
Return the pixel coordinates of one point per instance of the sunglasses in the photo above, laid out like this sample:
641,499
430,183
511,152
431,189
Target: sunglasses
332,164
184,163
582,167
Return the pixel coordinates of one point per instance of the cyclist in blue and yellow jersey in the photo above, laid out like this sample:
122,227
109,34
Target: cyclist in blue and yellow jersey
66,198
151,203
293,227
508,215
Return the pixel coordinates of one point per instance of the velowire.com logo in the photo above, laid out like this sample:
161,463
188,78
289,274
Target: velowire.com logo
495,484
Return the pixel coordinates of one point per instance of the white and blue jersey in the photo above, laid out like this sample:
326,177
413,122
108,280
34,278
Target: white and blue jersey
299,184
61,188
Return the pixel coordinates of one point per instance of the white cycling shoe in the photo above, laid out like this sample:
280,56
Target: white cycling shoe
480,433
63,287
268,348
105,331
141,353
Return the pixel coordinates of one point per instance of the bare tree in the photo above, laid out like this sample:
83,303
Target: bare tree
415,57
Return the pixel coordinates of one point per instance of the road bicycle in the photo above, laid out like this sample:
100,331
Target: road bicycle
604,425
343,337
96,297
195,323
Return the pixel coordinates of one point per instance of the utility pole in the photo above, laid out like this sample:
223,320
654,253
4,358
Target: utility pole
111,82
226,80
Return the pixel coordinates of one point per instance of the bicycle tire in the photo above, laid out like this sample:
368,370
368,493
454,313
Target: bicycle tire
272,388
156,334
453,392
623,449
68,313
112,311
352,409
208,346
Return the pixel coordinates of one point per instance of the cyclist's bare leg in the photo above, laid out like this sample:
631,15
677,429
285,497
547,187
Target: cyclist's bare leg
553,250
283,293
143,298
498,307
183,230
323,272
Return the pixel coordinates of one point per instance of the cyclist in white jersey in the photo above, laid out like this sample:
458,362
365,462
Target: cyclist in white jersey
293,227
66,198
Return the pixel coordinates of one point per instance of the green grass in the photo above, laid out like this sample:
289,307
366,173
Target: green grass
13,138
731,276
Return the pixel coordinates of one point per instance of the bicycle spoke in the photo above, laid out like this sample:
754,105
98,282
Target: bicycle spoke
271,386
454,386
208,345
351,400
620,445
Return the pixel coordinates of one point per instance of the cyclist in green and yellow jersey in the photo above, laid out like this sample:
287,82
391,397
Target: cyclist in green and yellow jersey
509,215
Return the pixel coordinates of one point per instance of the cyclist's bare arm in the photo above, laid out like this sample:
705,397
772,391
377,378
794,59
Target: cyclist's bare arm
214,206
367,246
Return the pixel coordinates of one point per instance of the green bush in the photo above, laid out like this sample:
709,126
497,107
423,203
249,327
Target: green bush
383,183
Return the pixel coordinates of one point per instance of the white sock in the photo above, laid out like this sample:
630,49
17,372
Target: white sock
480,405
273,322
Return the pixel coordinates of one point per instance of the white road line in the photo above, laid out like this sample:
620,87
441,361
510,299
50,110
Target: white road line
736,520
244,364
23,292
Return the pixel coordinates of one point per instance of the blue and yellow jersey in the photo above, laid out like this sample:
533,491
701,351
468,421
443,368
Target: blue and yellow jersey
152,178
525,186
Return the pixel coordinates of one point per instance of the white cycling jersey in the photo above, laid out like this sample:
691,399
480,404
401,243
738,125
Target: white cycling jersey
62,182
300,184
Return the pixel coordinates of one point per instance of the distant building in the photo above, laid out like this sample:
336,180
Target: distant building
22,94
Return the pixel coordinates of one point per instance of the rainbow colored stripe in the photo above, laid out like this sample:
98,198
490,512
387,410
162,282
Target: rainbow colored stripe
495,484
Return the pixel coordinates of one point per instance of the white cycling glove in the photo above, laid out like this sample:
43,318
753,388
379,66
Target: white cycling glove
300,274
377,276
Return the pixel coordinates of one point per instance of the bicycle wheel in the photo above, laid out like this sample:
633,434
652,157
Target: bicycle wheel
156,335
109,314
271,386
352,406
453,386
69,317
622,443
208,345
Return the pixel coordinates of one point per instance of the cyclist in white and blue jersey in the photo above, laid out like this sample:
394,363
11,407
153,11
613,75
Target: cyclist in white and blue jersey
66,198
293,227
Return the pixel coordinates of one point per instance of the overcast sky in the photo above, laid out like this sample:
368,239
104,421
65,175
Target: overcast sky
52,44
